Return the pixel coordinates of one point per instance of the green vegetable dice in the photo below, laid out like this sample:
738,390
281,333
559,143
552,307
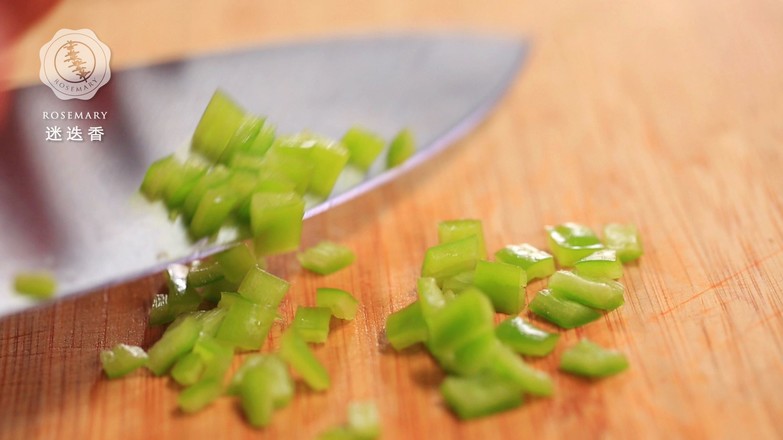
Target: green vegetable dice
312,323
601,264
246,324
508,365
503,283
221,119
326,257
122,359
406,327
198,396
363,145
213,210
453,230
401,148
598,293
459,282
431,298
570,242
535,262
294,350
36,285
276,221
263,288
279,385
560,311
591,360
450,259
180,182
203,273
178,340
479,396
341,303
625,240
525,338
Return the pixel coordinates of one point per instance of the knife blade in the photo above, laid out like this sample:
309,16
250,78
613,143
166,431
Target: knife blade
73,208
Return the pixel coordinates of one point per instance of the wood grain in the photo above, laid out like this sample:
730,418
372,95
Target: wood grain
666,114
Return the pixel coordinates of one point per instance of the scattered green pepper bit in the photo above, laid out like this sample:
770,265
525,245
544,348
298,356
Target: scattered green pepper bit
312,323
235,262
176,341
276,221
450,259
221,120
197,396
478,396
503,283
508,365
560,311
363,145
122,359
525,338
625,240
341,303
598,293
256,398
600,264
202,273
459,282
279,385
406,327
431,298
263,288
453,230
535,262
294,350
571,242
589,359
213,210
246,324
37,285
326,257
401,149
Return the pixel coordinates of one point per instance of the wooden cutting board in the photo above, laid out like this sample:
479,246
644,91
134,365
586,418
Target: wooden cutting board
667,114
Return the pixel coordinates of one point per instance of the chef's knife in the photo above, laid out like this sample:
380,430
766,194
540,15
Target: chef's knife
73,207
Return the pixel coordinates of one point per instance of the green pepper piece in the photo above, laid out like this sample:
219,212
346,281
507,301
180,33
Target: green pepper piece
462,320
525,338
157,176
600,264
235,262
326,257
431,298
406,327
175,342
122,359
213,210
202,273
263,288
279,384
289,165
449,259
294,350
598,293
246,325
188,369
213,178
363,146
181,297
453,230
535,262
468,357
200,395
243,138
503,283
570,242
263,140
589,359
276,221
478,396
401,149
212,291
37,285
312,323
341,303
508,365
625,240
328,157
459,282
210,321
560,311
220,121
160,312
181,181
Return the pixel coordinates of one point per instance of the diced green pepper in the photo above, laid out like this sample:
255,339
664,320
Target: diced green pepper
243,138
181,297
220,121
263,140
181,181
246,325
157,176
449,259
312,323
462,320
122,359
257,401
294,350
459,282
198,396
213,178
212,291
535,262
431,298
600,264
37,285
525,338
213,210
203,273
341,303
363,145
508,365
598,293
503,283
235,262
591,360
478,396
290,166
561,311
406,327
160,313
263,288
401,148
570,242
276,221
329,158
188,369
279,385
469,356
453,230
175,342
625,240
326,257
210,321
363,420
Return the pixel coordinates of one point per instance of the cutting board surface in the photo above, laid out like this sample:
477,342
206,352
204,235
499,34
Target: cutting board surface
666,114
